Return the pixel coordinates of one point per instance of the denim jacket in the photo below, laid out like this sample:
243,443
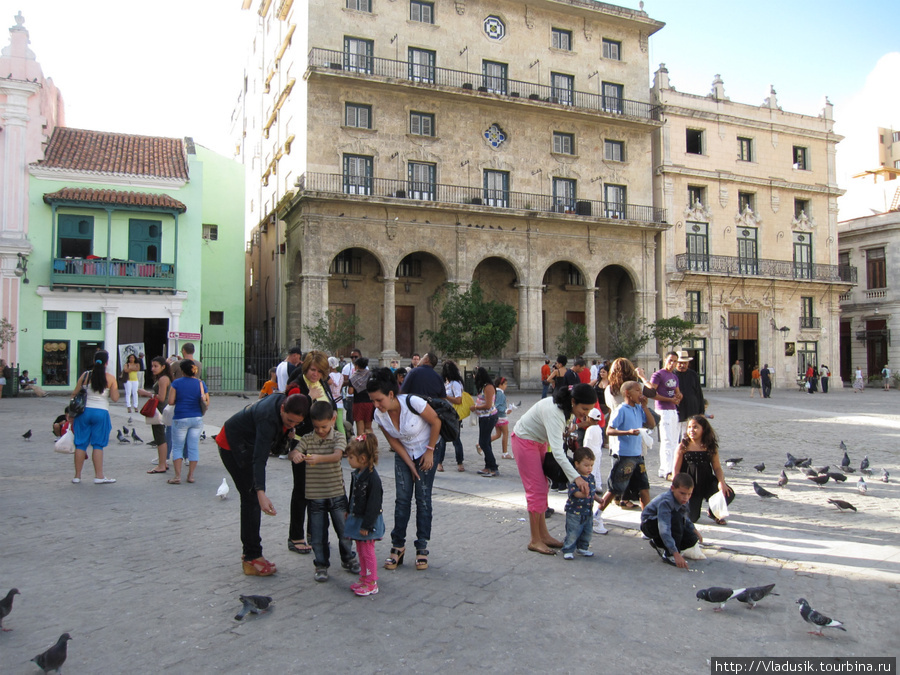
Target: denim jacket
366,495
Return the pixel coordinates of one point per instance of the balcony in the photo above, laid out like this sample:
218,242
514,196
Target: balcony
810,322
697,318
760,267
361,186
105,273
359,65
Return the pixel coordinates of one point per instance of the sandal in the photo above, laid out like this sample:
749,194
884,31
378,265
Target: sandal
190,480
258,568
460,468
395,559
174,481
421,559
302,548
440,468
627,505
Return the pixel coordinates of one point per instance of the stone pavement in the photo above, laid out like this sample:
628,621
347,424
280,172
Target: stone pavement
145,575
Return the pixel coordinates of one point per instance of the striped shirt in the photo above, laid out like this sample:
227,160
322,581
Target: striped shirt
323,481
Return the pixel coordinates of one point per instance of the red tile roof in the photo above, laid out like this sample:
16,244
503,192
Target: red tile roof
104,152
115,198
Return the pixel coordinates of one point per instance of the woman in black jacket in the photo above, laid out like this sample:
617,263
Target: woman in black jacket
245,442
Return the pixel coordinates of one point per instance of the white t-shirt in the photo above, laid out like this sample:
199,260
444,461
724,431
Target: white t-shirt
414,432
593,439
595,372
336,382
453,388
281,375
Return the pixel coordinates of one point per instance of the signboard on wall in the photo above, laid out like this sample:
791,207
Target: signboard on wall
175,335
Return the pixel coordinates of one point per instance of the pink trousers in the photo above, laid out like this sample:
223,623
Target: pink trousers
529,456
368,566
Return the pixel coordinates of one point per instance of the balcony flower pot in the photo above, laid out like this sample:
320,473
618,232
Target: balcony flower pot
467,85
514,94
476,201
534,97
335,66
401,194
482,89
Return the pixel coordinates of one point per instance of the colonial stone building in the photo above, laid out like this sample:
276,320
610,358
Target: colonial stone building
752,258
397,146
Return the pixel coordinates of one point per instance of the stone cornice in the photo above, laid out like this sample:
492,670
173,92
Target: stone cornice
763,125
728,176
95,177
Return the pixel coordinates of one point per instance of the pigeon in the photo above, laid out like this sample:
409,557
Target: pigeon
866,472
861,486
839,477
843,446
253,604
822,469
222,492
718,595
244,396
751,596
6,607
53,658
791,458
122,437
812,473
125,430
819,480
762,492
733,462
848,469
203,435
135,437
27,435
812,616
790,464
885,476
760,467
842,505
863,465
805,463
845,461
783,480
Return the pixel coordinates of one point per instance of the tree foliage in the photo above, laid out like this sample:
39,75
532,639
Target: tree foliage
7,333
333,331
628,336
573,340
672,332
470,325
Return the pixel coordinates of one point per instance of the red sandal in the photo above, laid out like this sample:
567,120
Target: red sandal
260,567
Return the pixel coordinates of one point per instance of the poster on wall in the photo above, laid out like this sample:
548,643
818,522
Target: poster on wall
136,348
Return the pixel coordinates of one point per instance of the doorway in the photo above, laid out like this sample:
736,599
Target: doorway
86,351
405,329
743,345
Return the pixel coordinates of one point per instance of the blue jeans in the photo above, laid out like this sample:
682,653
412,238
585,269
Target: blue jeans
440,449
545,390
485,429
318,512
578,531
405,488
186,438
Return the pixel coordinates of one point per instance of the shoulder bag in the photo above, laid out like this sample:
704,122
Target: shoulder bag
78,401
446,414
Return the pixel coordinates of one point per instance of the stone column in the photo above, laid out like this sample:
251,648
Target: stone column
389,328
313,304
590,322
111,337
531,355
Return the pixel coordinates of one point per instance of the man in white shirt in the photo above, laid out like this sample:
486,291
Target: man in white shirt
285,368
346,372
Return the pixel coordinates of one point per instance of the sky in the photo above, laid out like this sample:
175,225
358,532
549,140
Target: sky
174,68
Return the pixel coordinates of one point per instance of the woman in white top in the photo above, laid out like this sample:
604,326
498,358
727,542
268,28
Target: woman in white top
336,383
93,426
453,386
411,428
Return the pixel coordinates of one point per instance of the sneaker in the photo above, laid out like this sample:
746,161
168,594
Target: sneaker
490,474
549,512
76,480
599,527
101,481
351,566
484,472
568,556
321,574
587,553
359,584
666,558
367,589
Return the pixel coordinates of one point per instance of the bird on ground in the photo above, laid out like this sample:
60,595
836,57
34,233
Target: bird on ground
863,465
762,492
866,472
861,486
130,420
125,430
843,446
760,467
805,463
733,462
836,475
122,437
812,473
816,619
848,469
203,435
885,476
791,458
783,480
55,657
842,505
819,480
718,595
253,604
751,596
6,607
222,492
244,396
822,469
27,435
135,437
790,464
845,460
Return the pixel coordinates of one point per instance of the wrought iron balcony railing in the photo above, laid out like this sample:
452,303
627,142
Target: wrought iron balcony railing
698,318
110,273
810,322
761,267
364,186
423,74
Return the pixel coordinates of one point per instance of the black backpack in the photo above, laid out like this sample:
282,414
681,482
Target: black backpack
446,414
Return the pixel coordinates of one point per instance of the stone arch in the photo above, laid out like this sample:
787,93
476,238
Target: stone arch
354,283
564,284
499,280
420,274
521,276
616,295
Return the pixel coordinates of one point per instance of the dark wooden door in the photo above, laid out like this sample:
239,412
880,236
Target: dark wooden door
405,329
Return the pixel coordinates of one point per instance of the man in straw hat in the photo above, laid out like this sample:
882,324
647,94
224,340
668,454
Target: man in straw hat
692,402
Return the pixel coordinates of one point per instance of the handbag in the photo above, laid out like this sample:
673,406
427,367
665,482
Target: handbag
78,402
463,408
168,415
204,406
149,409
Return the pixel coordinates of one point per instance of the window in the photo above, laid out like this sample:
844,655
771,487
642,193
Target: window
896,136
410,266
694,141
358,55
421,65
807,320
614,151
612,98
561,39
801,158
210,232
421,11
574,277
564,195
357,175
876,275
844,266
562,88
615,196
612,50
696,193
358,115
76,236
421,124
748,255
56,320
217,318
496,188
803,268
807,355
746,200
697,246
144,240
801,206
346,263
897,163
745,149
421,181
359,5
693,314
494,76
90,321
564,144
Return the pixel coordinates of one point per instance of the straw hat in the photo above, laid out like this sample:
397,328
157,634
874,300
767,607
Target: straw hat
683,357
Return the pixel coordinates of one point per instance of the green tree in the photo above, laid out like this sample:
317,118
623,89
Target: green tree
573,340
7,333
628,336
672,332
333,331
470,325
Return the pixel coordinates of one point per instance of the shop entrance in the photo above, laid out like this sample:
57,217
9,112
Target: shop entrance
743,345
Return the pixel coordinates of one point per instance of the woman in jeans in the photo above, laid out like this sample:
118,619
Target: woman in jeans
486,411
453,385
411,428
187,422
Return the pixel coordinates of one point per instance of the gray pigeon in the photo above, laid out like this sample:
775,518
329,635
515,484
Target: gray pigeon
203,435
846,459
863,465
842,505
861,486
751,596
822,469
835,475
718,595
820,620
804,463
122,437
253,604
885,476
135,437
733,462
762,492
760,467
6,607
783,480
812,473
125,430
53,658
819,480
843,446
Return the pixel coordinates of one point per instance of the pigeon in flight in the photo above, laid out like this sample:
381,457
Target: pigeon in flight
842,505
135,437
861,486
718,595
253,604
839,477
760,467
27,435
783,480
733,462
819,620
751,596
222,492
819,480
6,607
762,492
122,437
53,658
804,463
885,476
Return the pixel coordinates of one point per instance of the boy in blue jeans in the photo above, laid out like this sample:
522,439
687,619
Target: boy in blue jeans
579,519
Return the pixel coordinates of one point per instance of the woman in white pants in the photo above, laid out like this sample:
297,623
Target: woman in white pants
130,371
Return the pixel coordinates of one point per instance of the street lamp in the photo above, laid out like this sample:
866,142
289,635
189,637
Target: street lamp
21,270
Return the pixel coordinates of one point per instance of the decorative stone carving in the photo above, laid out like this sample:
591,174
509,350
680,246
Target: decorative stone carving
747,218
697,212
593,240
723,195
771,100
776,201
390,227
643,41
588,30
460,7
529,17
718,89
802,222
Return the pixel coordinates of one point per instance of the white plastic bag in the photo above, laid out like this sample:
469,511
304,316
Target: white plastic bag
718,505
156,419
65,444
694,553
168,415
646,438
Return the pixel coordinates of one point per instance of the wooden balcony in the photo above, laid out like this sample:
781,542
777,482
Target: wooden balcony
110,274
